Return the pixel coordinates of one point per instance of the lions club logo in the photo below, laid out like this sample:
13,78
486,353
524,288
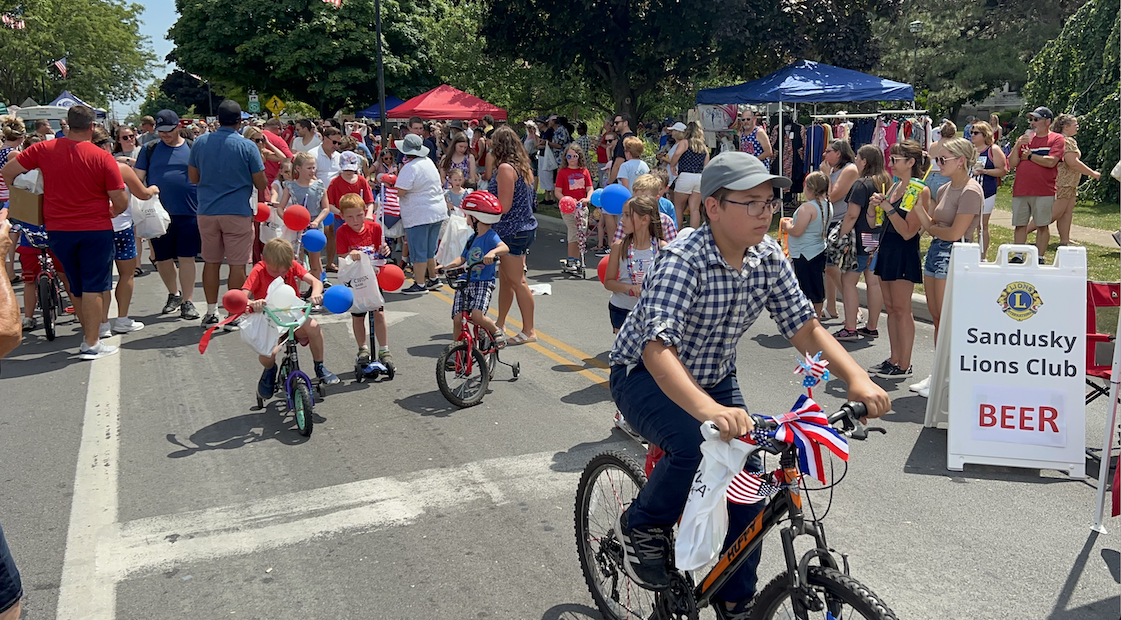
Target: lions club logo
1020,301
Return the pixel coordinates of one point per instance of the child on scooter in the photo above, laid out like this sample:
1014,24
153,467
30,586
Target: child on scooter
359,232
278,260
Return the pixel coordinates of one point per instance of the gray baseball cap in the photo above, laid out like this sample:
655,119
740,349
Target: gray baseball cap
737,171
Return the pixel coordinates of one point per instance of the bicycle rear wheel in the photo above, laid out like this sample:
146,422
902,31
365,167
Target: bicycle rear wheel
301,399
462,375
609,484
843,597
48,302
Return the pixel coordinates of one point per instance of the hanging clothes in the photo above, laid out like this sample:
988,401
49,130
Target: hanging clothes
816,141
891,136
862,132
798,154
918,132
828,136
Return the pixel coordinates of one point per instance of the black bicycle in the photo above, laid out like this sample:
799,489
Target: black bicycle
48,286
824,590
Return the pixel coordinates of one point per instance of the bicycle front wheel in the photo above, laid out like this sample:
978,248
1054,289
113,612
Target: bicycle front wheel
48,302
301,399
462,375
843,597
609,484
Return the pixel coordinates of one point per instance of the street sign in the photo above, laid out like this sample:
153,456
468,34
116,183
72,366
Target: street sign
275,105
253,96
254,106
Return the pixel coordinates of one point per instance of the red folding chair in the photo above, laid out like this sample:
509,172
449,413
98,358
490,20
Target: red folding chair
1099,347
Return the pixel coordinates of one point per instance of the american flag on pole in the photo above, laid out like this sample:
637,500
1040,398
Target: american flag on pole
337,3
60,64
12,22
751,487
390,202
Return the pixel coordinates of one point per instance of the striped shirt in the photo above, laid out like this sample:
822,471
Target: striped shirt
695,301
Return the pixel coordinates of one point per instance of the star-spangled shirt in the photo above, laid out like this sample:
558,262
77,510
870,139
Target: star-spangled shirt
695,301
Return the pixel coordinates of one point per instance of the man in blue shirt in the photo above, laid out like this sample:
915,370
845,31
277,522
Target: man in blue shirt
226,168
163,163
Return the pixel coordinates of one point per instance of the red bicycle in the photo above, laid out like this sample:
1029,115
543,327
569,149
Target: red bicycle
466,366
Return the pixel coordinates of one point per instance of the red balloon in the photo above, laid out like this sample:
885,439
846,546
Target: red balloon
602,270
567,204
391,278
263,212
297,218
235,301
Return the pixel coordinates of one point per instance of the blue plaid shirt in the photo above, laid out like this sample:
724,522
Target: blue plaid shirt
695,301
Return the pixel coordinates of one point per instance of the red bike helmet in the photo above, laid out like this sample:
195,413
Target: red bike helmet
483,206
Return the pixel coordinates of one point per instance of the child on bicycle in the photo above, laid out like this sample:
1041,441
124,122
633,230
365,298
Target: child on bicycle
482,210
30,268
361,232
278,260
673,363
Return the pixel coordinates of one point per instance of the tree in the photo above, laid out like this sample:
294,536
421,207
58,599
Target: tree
1078,73
967,48
188,91
306,49
636,47
158,100
100,40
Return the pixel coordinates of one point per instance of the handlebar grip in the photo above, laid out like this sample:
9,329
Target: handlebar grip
762,423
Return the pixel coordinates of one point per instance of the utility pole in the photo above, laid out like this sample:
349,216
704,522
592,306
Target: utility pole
916,29
381,77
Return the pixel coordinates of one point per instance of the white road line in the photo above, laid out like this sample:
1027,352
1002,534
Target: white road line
156,543
86,593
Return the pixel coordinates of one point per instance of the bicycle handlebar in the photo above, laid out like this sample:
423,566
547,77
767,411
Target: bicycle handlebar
848,415
304,310
456,272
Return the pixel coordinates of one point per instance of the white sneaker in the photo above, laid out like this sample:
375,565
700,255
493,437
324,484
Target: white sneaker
925,392
104,331
97,351
921,385
622,424
126,325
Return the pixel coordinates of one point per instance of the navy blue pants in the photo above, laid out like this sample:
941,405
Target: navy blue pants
11,590
671,428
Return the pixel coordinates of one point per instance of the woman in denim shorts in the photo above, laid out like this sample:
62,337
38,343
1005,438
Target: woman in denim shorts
511,183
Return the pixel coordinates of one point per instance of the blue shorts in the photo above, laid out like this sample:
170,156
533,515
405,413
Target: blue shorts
519,242
937,264
86,257
11,589
618,315
422,241
181,239
124,244
864,262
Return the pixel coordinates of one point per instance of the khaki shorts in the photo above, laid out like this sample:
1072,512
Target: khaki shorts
570,224
1034,208
688,183
228,237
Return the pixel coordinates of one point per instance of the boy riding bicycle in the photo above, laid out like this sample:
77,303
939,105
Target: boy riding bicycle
278,259
674,361
482,210
360,232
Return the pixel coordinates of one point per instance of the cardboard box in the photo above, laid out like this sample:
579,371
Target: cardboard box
25,206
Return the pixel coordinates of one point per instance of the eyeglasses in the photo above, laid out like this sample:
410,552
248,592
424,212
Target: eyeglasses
757,207
259,140
617,121
943,159
336,142
897,158
611,141
572,156
123,138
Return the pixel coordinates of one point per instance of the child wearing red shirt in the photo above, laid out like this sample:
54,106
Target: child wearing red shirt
347,182
278,260
575,181
358,232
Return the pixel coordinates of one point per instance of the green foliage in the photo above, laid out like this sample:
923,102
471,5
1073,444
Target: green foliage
306,49
100,39
967,48
191,92
158,100
1078,73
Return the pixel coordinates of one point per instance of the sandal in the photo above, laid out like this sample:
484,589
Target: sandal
500,340
331,269
522,339
139,272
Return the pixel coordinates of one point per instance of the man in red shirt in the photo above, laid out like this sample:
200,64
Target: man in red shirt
1034,158
82,192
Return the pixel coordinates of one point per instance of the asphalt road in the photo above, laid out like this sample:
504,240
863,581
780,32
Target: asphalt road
147,486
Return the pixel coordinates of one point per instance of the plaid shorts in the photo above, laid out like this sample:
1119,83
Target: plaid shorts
480,297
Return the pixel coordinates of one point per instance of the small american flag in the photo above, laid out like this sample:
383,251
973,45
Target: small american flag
14,23
751,487
60,64
390,201
337,3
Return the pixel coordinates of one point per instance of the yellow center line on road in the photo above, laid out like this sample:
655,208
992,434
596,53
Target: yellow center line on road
585,359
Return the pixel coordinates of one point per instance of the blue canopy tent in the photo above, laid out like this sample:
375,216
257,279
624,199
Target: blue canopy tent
807,81
373,112
66,99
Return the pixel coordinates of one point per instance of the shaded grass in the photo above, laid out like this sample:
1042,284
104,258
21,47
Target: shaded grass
1101,215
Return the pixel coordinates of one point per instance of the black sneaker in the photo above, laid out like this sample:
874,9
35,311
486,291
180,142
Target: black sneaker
1016,260
187,311
415,289
891,371
645,558
878,368
210,320
173,304
267,385
433,284
868,333
328,377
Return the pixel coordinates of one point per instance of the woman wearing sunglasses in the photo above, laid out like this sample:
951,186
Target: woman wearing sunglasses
127,147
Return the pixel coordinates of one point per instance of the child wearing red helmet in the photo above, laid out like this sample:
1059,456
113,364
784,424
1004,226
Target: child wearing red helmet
482,210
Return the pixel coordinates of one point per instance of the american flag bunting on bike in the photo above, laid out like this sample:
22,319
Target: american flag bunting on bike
807,427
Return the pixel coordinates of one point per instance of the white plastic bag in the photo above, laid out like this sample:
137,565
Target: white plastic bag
31,181
259,333
149,217
704,523
360,276
453,240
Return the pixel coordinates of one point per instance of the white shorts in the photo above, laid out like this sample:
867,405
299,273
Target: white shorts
688,183
987,206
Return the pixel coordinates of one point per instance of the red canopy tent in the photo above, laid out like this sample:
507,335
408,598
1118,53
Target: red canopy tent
446,102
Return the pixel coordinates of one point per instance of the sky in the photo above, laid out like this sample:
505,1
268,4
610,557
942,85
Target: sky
158,17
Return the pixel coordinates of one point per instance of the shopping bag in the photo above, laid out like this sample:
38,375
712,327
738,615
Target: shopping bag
259,333
360,276
453,240
704,523
149,217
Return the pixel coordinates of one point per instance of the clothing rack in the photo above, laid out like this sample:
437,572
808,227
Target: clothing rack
844,115
903,111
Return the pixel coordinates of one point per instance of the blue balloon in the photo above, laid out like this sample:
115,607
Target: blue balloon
613,198
596,195
338,299
330,219
314,240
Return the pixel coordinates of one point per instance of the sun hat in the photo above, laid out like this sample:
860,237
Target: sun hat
678,126
412,146
736,170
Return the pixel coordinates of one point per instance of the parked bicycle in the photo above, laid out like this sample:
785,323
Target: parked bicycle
296,383
464,369
48,286
610,483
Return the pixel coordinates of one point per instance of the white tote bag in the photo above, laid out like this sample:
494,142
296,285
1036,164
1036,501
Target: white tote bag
149,217
259,333
454,239
360,277
704,523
